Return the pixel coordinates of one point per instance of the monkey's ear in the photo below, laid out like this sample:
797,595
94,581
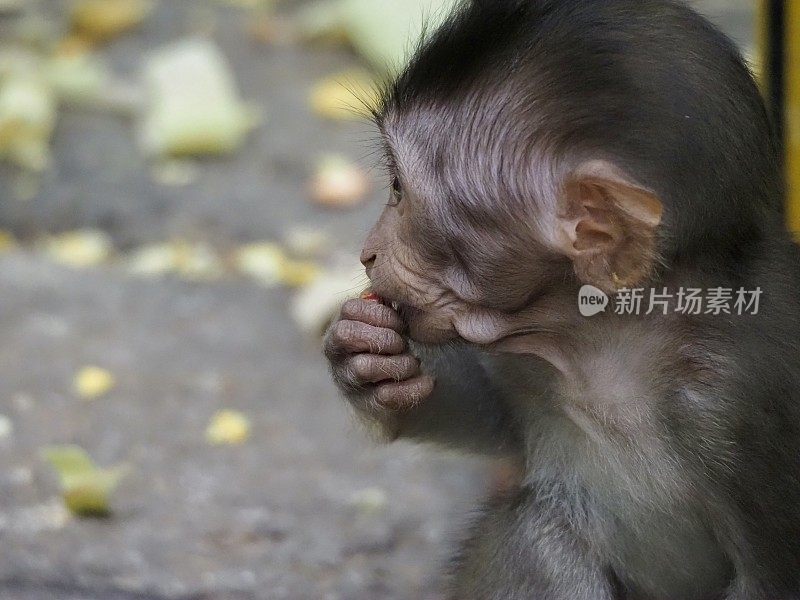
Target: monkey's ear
608,226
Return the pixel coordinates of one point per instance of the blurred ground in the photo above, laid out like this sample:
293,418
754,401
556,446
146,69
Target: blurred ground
307,508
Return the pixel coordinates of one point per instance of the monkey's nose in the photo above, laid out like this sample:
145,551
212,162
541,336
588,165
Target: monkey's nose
368,258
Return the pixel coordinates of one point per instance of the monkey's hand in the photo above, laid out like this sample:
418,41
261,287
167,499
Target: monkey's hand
371,363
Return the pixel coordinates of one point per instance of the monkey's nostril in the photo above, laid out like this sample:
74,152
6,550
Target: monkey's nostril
368,259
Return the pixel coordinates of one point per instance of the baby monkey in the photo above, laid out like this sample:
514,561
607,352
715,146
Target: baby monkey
539,146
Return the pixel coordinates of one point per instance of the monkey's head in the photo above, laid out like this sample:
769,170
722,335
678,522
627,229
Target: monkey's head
538,144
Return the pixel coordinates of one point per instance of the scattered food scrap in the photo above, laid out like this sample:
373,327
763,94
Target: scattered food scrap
93,382
228,427
195,261
268,264
76,75
85,488
27,110
81,79
299,273
265,262
192,103
347,96
338,183
262,261
101,20
382,31
153,260
79,249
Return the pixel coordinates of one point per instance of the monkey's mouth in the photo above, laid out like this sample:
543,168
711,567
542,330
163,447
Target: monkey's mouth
420,325
372,296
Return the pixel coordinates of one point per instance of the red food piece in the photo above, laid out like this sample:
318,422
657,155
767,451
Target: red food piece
371,297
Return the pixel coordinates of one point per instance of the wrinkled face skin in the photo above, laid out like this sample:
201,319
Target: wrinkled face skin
449,251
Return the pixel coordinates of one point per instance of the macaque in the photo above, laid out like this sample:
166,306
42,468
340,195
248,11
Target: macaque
535,147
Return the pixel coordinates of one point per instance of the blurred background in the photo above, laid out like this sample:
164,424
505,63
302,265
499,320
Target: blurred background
184,188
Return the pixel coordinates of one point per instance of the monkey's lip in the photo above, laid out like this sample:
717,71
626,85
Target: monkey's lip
371,295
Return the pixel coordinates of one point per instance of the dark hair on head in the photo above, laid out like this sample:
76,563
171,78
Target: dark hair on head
646,84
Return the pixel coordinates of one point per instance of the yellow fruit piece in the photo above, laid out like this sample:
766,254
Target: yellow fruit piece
79,249
92,382
153,260
27,115
346,96
78,78
192,261
193,106
382,31
338,183
268,264
85,488
100,20
263,261
298,273
197,261
228,427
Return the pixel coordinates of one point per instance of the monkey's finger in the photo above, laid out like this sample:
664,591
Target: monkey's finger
347,337
404,394
372,368
372,313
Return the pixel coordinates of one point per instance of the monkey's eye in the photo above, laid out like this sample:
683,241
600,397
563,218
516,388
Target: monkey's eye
397,192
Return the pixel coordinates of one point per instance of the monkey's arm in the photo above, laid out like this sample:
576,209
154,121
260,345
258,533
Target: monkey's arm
442,395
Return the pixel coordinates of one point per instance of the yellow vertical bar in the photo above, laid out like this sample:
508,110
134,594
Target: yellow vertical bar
792,131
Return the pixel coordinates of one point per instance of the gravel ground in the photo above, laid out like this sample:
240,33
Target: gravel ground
287,515
307,508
